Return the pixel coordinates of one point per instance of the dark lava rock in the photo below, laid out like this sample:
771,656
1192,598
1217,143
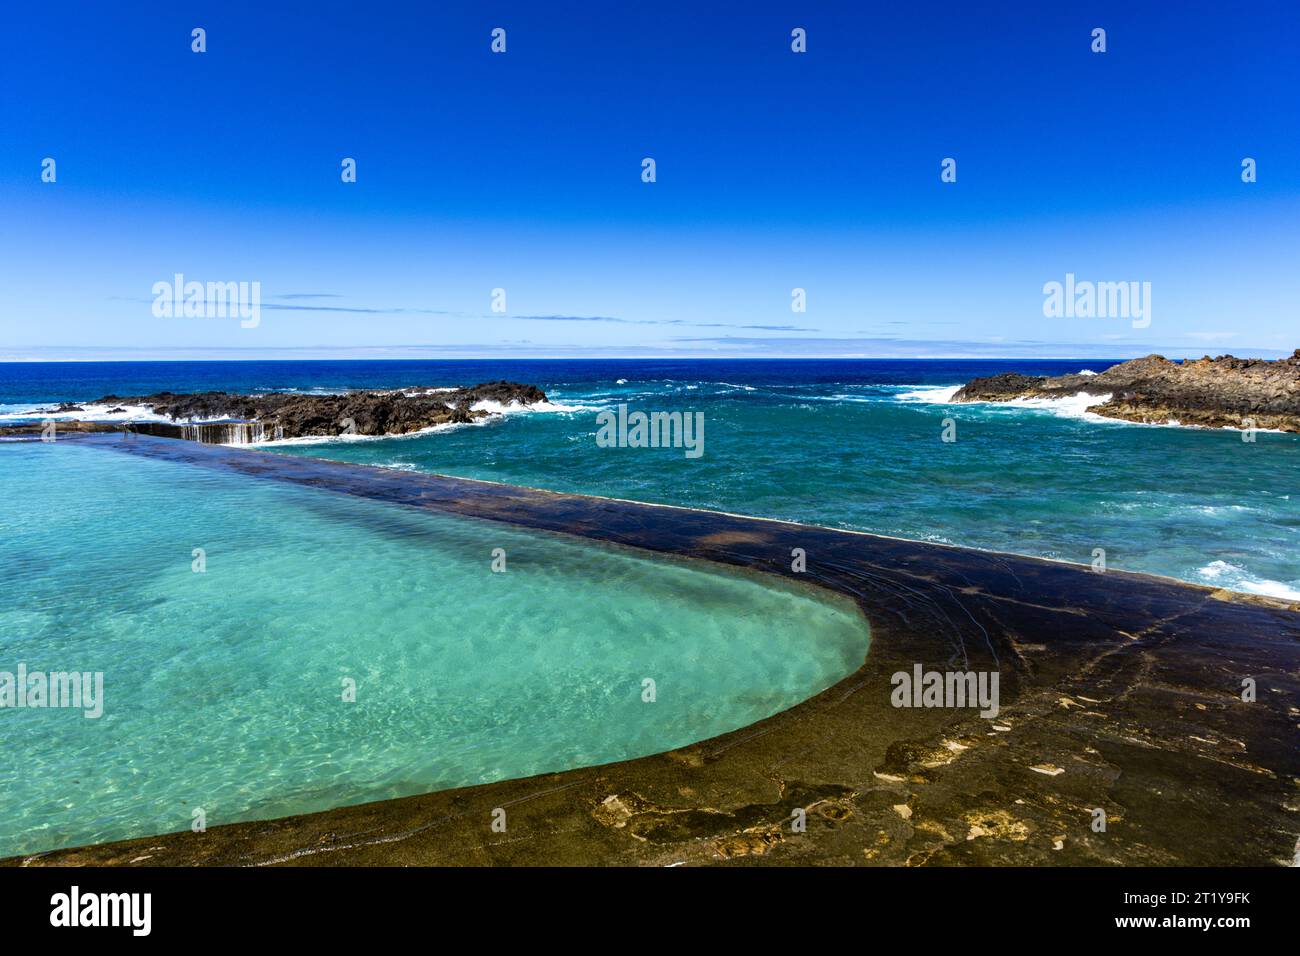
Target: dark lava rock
503,392
998,388
388,412
1213,392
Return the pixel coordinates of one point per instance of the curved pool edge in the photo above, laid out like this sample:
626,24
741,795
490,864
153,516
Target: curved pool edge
1115,688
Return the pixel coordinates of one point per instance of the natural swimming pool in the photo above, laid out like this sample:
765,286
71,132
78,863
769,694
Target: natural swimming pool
224,688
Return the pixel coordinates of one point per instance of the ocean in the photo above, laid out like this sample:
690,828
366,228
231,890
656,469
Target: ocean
855,444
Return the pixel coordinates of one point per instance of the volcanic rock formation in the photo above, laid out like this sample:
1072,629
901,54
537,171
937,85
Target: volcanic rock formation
1213,392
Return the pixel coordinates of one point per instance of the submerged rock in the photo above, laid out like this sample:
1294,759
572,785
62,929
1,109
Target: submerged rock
227,416
1213,392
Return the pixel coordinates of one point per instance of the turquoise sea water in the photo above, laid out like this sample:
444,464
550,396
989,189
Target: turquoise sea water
223,690
1040,479
844,443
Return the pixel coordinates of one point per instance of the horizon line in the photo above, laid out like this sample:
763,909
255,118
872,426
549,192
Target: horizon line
1186,354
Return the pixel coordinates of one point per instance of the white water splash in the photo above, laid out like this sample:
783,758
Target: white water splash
1234,577
928,394
518,408
1067,406
92,412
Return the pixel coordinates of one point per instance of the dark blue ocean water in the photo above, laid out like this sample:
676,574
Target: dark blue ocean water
844,443
27,383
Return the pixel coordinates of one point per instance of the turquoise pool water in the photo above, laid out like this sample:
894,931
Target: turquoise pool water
223,690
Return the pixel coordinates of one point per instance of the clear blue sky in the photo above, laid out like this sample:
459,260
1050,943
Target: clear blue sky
775,170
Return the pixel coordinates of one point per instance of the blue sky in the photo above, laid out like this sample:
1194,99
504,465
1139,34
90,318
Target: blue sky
775,170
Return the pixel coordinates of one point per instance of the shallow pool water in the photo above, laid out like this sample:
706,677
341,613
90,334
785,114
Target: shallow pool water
224,688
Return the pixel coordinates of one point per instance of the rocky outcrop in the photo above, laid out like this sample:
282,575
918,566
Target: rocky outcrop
1212,392
233,417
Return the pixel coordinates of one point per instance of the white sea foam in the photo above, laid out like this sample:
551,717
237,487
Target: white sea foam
1235,578
517,408
1086,371
92,412
1234,428
1216,510
1067,406
928,394
315,392
837,397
